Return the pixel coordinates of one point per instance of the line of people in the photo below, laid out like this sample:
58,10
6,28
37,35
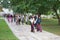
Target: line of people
17,18
35,20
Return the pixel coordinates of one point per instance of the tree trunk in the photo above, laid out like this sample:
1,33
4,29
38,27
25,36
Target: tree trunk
57,16
59,21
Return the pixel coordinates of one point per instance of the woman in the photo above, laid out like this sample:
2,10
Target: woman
39,28
32,24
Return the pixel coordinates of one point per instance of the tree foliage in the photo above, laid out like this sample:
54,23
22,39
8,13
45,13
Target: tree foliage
5,3
34,6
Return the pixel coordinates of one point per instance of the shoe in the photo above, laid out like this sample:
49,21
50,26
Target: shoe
33,31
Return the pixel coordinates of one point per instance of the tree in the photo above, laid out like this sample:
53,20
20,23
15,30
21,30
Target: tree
54,6
5,3
18,5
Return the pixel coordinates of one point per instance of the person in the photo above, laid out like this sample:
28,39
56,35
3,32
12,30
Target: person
11,18
8,18
26,19
39,28
14,18
18,19
32,24
35,20
22,19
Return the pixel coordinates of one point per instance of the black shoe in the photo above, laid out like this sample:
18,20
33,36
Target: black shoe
33,31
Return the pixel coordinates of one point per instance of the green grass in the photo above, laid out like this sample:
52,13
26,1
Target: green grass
5,32
0,17
51,25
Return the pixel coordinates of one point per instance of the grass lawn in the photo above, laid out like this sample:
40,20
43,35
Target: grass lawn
0,17
51,25
5,32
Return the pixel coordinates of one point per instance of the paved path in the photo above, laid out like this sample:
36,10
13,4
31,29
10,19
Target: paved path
22,32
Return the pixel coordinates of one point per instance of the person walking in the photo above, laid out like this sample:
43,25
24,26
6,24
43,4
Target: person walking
9,17
35,20
14,18
18,19
39,28
26,20
22,19
32,24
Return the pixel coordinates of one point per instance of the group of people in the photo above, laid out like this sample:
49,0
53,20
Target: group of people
35,23
9,18
17,18
35,20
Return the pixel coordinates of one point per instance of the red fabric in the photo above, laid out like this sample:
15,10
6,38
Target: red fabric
39,28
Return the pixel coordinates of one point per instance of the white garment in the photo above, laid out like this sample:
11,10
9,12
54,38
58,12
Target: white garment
22,17
35,21
26,18
32,20
19,17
